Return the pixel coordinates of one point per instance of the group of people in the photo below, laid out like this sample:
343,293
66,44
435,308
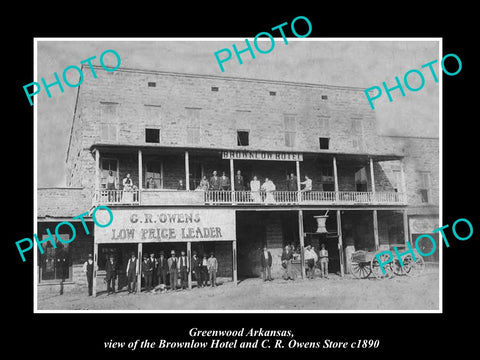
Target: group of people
289,254
158,273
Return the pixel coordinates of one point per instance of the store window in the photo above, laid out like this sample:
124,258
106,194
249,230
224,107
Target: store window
54,263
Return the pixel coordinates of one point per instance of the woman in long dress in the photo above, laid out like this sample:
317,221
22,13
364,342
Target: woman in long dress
268,186
255,189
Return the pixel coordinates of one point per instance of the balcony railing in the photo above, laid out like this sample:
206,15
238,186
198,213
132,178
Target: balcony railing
217,197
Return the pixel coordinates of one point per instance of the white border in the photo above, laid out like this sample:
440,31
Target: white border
440,267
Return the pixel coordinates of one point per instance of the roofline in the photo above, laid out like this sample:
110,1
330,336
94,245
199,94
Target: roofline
232,78
307,152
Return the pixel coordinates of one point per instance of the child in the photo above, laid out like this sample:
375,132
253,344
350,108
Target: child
324,262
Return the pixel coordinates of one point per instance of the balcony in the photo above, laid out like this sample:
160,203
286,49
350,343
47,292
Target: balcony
163,197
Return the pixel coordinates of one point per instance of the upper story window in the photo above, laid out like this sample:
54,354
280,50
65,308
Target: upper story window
242,138
425,186
396,180
152,136
193,125
290,130
154,175
108,121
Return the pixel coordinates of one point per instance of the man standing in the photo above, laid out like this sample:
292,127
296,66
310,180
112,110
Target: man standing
147,272
162,270
214,181
172,270
292,183
197,269
88,270
153,266
205,270
212,266
266,262
324,262
287,257
111,275
132,273
184,269
224,182
239,185
310,260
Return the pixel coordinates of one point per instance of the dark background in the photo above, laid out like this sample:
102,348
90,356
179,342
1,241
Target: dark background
409,335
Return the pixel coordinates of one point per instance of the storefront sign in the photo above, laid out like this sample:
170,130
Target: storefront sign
175,225
261,155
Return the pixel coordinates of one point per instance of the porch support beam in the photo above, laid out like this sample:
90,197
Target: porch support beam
301,235
187,171
340,242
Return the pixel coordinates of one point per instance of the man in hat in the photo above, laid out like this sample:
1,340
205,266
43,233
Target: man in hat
173,270
88,270
266,262
204,270
132,273
111,274
153,265
162,271
324,262
310,259
197,269
184,268
212,265
147,272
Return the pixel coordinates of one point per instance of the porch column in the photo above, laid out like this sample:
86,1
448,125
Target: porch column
95,268
375,230
372,179
405,227
232,180
297,166
302,245
140,174
234,254
404,184
340,241
97,172
139,261
335,178
187,172
189,262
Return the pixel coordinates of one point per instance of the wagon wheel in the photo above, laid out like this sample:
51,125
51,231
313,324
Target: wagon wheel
397,268
413,268
361,270
376,269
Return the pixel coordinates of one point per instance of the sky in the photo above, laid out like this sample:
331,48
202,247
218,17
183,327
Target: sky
355,63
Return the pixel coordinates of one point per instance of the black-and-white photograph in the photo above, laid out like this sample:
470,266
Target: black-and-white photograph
234,175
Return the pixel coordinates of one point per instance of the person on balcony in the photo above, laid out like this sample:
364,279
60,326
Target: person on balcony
180,185
224,182
292,183
239,185
151,183
268,186
204,185
308,187
128,188
214,181
255,189
111,186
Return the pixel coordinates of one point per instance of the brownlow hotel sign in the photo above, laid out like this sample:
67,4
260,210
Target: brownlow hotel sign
167,225
261,155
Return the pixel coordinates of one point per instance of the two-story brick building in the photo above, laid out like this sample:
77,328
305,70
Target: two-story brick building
161,127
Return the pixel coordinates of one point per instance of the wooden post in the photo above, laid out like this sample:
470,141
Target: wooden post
95,268
340,242
372,179
302,245
404,184
405,227
139,260
140,174
97,174
297,167
234,261
232,180
375,230
335,178
189,262
187,172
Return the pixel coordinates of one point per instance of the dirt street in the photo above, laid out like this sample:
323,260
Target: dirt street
335,293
